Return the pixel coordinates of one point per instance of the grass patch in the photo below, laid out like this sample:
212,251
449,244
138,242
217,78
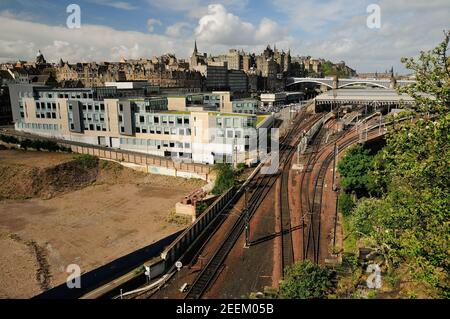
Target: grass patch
111,166
350,240
173,218
86,161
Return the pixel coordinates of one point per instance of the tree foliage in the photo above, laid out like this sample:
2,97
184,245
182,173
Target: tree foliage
226,178
305,280
346,203
354,169
328,68
432,71
409,223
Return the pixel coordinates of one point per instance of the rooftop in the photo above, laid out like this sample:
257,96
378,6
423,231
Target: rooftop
363,95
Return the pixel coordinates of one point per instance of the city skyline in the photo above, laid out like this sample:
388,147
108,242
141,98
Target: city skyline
142,29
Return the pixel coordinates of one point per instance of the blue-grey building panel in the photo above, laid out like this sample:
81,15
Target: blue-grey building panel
77,116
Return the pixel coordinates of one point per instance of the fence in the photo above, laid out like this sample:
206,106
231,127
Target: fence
104,274
193,232
175,168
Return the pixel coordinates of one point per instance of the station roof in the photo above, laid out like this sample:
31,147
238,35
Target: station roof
343,96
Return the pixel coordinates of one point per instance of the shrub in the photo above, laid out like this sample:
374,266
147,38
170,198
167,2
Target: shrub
305,280
346,204
225,178
86,161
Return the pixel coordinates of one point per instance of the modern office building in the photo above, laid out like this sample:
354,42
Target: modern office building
191,127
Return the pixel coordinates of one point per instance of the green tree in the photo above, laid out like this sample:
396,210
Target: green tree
432,71
226,178
409,224
346,203
305,280
354,169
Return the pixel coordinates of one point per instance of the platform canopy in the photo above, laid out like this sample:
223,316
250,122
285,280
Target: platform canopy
363,97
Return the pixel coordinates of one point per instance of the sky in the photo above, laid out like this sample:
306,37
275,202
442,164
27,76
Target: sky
331,29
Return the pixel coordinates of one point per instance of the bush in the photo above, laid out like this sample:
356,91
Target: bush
34,144
225,178
354,168
240,168
86,161
346,204
305,280
9,139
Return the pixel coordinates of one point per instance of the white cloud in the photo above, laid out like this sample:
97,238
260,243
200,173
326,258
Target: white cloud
22,39
270,31
178,29
115,4
337,30
151,24
197,8
221,27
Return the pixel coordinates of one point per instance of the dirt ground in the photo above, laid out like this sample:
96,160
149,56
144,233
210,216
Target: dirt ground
120,212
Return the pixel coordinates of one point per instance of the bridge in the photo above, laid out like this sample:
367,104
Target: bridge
336,83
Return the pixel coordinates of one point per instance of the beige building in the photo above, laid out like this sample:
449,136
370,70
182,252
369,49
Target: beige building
171,127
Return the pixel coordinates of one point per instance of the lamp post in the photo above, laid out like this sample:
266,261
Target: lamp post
247,221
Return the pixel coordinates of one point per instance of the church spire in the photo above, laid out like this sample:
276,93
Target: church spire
195,47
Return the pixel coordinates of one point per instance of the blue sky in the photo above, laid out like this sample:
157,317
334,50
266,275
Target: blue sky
332,29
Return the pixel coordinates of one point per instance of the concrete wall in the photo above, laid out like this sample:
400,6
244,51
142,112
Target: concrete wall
176,103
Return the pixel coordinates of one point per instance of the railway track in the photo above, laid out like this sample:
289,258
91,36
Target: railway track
305,205
262,185
312,246
287,250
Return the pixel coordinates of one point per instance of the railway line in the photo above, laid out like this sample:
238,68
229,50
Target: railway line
259,188
312,201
